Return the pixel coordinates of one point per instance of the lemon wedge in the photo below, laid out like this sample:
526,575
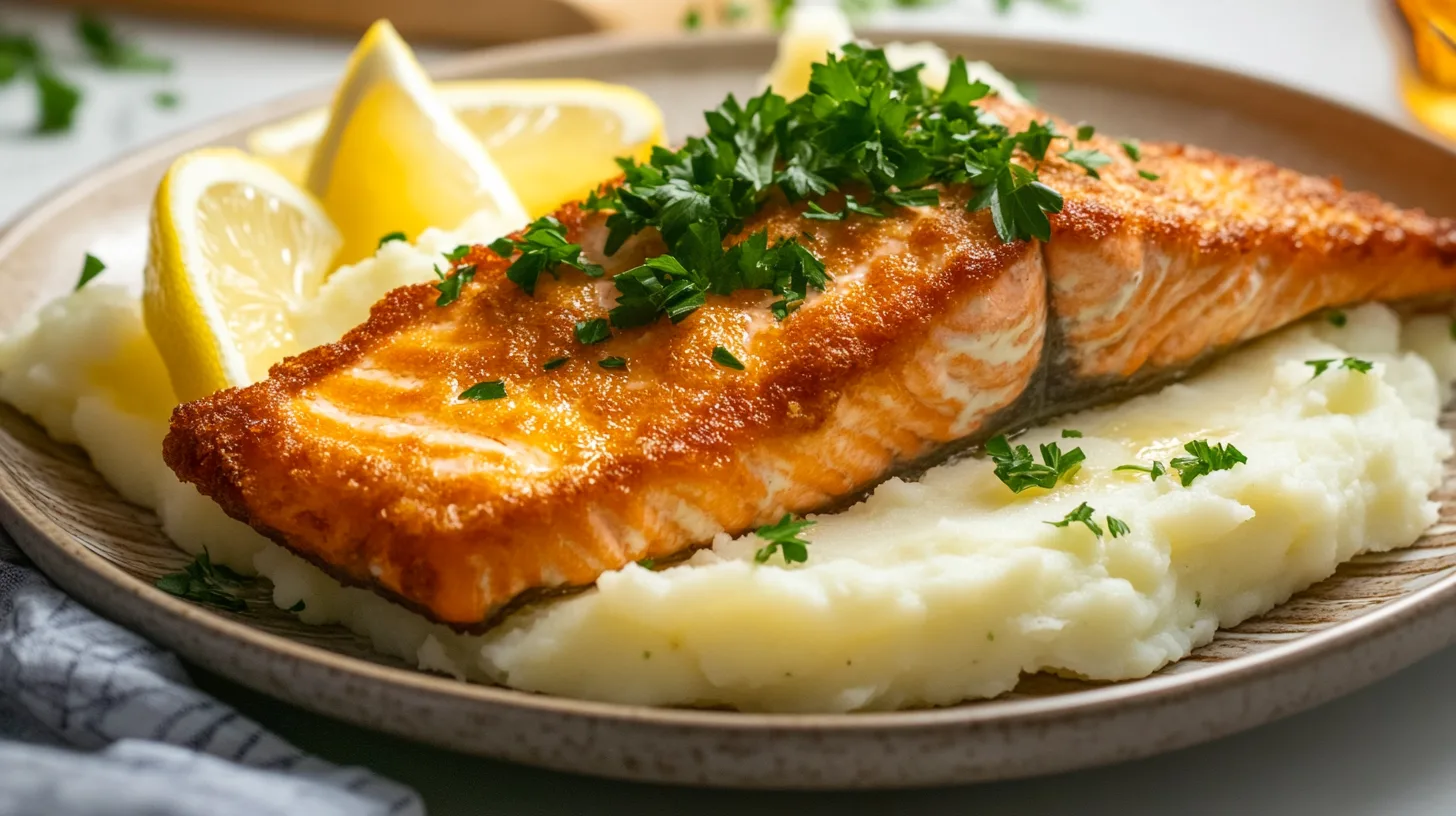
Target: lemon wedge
395,158
811,32
236,250
554,139
557,139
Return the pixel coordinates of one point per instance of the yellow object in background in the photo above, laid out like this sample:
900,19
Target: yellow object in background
811,31
553,139
395,158
1429,85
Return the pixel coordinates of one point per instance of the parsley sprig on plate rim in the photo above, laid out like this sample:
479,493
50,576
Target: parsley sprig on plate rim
879,134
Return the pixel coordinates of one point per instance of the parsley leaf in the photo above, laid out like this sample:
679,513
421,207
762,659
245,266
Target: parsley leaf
89,270
167,100
109,51
1085,132
1083,513
1133,150
491,390
1018,470
207,583
922,197
555,363
1088,159
1155,471
612,362
1206,459
725,358
543,248
1149,175
1068,433
783,536
692,20
1349,363
592,331
58,100
450,287
1117,527
1336,318
393,236
458,254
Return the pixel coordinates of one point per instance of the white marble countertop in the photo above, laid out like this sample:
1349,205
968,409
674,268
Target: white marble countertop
1384,750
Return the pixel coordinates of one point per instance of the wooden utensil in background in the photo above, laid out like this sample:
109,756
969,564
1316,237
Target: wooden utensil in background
468,21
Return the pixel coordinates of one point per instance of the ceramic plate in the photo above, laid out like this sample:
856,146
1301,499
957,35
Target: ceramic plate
1376,615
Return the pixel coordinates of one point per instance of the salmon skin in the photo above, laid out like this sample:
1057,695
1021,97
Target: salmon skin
933,335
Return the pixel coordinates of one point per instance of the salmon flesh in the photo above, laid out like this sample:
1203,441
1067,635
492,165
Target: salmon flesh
933,335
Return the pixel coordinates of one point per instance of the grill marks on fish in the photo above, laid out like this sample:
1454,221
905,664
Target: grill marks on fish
360,456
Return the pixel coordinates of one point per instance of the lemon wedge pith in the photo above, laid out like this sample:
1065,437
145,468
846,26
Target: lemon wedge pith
235,250
395,158
553,139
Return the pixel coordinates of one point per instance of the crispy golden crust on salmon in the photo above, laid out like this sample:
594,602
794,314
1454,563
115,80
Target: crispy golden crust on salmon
361,457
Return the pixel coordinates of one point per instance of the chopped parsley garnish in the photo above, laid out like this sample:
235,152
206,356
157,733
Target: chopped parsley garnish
110,51
393,236
1003,6
458,254
1082,514
89,270
1117,527
612,362
647,563
58,100
783,536
206,583
1453,329
725,358
491,390
851,205
1019,471
1349,363
543,248
1205,459
553,364
1149,175
17,51
1085,132
1068,433
592,331
1155,471
167,100
450,286
878,134
692,20
1133,150
1336,318
1088,159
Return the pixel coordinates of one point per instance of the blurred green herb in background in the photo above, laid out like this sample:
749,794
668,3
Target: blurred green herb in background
108,50
57,99
736,12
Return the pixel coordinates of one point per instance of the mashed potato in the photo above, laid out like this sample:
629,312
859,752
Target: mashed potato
928,592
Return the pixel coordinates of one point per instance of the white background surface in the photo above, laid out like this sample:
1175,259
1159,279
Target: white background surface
1384,750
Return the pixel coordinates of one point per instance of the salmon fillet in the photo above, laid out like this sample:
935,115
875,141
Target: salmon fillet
934,335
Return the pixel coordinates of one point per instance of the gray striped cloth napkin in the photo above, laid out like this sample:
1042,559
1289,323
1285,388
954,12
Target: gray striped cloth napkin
96,720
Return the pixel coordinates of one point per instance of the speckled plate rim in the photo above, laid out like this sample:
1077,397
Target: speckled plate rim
988,740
